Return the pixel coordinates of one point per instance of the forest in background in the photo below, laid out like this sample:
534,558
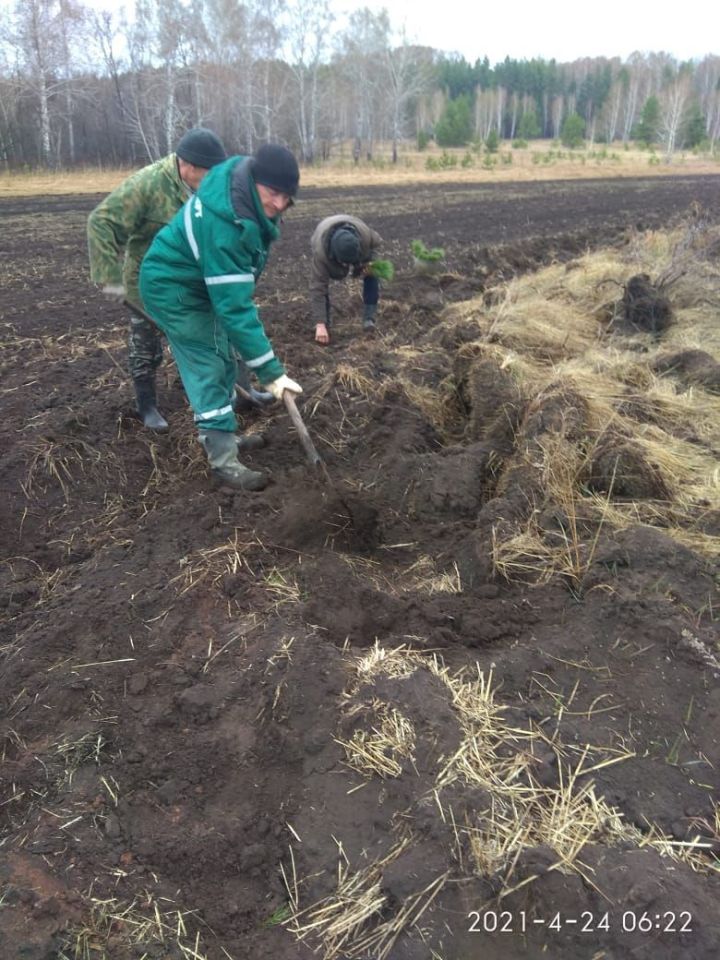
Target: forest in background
85,87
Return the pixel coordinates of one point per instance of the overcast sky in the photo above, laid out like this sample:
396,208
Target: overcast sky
562,29
565,30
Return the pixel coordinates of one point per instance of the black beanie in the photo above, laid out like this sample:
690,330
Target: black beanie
201,147
275,166
345,245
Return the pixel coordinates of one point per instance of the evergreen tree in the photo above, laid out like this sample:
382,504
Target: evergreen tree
573,131
456,76
528,128
454,128
648,125
694,131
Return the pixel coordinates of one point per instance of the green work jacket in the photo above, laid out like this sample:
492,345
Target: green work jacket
201,269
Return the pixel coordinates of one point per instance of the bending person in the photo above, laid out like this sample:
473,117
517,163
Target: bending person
340,244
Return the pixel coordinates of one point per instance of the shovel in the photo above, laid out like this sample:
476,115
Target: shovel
308,446
310,451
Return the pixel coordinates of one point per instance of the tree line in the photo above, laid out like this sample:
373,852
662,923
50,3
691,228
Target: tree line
81,87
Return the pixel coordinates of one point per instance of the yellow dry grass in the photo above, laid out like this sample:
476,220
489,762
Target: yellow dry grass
138,927
541,160
381,750
548,330
357,919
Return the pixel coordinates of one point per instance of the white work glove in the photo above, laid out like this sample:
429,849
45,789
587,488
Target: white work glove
114,291
283,383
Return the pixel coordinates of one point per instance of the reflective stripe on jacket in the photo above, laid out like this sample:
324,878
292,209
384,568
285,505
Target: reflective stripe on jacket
202,268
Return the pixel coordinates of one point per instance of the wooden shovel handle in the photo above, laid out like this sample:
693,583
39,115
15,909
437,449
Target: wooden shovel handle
308,446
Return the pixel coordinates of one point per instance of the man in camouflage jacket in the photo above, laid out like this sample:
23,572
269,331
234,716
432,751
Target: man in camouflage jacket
339,244
120,230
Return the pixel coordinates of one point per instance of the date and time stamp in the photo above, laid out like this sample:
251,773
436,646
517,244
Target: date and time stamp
587,922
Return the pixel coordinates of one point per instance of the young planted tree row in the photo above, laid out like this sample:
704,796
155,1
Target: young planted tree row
79,86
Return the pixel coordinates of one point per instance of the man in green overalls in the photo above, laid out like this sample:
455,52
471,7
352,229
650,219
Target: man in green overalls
197,282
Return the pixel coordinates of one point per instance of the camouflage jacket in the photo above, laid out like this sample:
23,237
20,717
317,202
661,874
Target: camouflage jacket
121,228
324,268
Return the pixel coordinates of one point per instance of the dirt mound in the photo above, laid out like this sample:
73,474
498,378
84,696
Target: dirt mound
619,468
692,367
644,306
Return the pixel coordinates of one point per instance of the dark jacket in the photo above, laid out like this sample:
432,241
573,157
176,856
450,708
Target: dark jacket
325,268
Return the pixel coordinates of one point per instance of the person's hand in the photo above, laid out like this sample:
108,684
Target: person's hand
260,398
114,291
321,333
283,383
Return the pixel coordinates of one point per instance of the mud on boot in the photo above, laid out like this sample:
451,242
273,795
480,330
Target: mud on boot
146,401
239,477
251,441
222,453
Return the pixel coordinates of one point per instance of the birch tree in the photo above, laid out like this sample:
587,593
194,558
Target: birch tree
36,36
227,25
105,34
484,112
501,100
707,79
172,32
636,88
557,115
408,71
9,98
673,103
308,25
365,44
610,114
268,32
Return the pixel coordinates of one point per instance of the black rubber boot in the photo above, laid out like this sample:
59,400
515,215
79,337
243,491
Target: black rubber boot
146,397
222,453
369,311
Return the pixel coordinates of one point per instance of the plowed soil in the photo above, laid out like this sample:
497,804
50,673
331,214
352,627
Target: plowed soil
184,666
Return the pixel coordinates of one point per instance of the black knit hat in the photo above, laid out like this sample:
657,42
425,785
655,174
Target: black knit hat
201,147
275,166
345,245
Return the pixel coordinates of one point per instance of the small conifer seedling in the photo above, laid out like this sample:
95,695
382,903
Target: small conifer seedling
421,252
382,269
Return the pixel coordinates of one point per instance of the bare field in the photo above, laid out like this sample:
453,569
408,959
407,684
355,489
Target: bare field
541,161
469,708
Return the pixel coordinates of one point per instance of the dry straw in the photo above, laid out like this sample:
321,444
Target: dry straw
147,927
356,919
550,331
